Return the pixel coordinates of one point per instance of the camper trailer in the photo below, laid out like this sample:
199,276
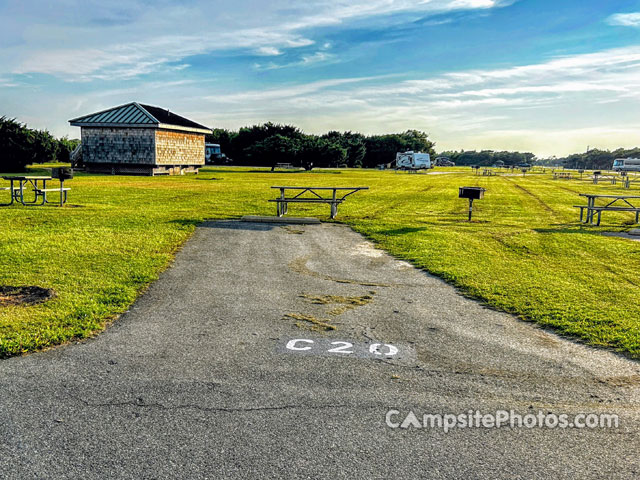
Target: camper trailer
413,161
626,165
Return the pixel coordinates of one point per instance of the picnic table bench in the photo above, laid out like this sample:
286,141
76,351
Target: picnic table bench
565,175
488,171
616,203
38,183
611,177
628,179
314,195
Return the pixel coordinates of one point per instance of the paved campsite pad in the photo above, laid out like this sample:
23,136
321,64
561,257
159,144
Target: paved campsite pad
196,380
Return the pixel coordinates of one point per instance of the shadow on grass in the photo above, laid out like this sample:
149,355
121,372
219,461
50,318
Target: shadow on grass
186,222
268,170
402,231
579,228
276,171
227,224
204,170
294,171
460,222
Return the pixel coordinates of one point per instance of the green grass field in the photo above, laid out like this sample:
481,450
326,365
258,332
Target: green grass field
525,252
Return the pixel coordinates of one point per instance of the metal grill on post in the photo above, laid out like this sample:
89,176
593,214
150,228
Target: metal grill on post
62,174
596,174
472,193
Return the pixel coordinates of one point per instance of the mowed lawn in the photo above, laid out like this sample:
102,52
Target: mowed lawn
525,252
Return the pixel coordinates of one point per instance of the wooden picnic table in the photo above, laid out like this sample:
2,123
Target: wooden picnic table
615,203
565,175
628,179
316,197
38,184
597,176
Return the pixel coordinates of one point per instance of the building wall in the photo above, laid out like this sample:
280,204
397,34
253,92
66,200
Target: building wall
119,145
179,148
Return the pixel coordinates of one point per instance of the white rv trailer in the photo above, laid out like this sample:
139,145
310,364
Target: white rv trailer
626,164
413,161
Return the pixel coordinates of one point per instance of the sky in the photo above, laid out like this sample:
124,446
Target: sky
548,77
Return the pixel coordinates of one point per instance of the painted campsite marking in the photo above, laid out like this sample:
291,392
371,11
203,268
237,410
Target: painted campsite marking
340,348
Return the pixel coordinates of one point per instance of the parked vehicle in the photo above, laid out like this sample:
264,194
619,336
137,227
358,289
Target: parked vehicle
444,162
626,165
413,161
213,154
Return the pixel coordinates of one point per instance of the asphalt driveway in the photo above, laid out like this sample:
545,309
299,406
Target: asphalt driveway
271,351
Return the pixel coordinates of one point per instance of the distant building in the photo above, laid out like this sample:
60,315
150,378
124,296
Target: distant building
138,139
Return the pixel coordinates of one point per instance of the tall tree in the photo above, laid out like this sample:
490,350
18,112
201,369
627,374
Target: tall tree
272,150
21,146
321,152
224,138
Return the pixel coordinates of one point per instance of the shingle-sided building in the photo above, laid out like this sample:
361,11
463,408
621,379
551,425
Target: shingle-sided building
140,140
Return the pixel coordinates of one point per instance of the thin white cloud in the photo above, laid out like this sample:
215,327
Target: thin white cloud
123,40
591,94
315,58
285,92
553,107
7,83
305,61
625,19
269,51
548,107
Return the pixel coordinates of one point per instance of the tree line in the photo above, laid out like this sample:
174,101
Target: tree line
487,158
269,143
593,159
21,146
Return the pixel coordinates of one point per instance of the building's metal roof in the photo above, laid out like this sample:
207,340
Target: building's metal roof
136,115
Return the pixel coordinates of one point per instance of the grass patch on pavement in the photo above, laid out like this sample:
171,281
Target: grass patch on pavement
524,253
344,304
313,323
